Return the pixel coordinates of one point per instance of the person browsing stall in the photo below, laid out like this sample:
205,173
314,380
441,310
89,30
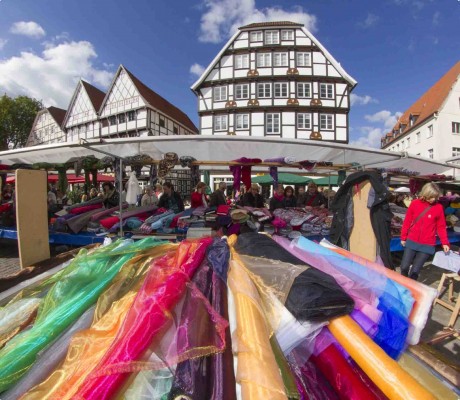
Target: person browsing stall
149,198
253,198
289,200
277,200
170,199
111,198
313,197
198,197
218,198
424,219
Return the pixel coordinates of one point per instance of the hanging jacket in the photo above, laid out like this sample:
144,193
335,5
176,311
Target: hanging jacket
380,214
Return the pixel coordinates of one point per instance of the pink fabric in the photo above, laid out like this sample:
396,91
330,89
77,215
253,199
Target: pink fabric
81,210
144,321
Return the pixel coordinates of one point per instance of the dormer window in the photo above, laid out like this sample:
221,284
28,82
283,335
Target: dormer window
272,37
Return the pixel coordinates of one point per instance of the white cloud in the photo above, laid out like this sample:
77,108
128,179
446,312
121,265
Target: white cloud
361,100
3,43
370,137
370,21
436,17
386,117
30,29
197,69
52,75
223,17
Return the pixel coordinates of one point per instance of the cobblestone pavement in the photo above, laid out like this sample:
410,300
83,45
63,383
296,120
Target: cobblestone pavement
430,275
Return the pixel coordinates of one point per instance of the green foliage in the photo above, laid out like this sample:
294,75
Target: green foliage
16,119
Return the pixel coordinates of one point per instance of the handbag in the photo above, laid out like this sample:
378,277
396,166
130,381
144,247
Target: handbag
420,216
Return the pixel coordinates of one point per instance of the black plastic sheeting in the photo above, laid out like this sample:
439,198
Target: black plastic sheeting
314,295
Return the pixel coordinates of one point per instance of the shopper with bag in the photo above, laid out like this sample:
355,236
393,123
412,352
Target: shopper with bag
424,219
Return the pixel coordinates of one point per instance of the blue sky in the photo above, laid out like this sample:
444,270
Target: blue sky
395,49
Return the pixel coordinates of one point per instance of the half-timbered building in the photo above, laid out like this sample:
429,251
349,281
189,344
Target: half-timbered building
275,79
47,127
130,108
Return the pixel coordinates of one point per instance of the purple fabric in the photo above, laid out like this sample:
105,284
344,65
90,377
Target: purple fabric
243,172
274,175
308,165
367,325
276,160
234,229
236,172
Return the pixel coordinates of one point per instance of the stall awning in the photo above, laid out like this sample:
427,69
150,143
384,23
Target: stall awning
283,177
225,148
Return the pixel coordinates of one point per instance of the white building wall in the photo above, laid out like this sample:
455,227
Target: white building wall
47,131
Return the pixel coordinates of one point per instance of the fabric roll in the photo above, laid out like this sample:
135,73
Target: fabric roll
389,377
49,359
77,223
108,211
144,321
84,209
423,295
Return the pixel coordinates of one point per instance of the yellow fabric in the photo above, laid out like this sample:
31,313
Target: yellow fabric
257,370
86,350
426,378
392,380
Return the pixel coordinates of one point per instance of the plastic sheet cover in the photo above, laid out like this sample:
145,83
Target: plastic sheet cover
314,295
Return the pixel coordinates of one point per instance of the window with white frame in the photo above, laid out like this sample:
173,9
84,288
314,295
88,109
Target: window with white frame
304,90
417,137
121,118
455,151
430,153
131,115
429,132
456,128
264,90
242,91
326,122
408,143
241,121
303,121
264,60
287,35
272,37
220,93
303,59
280,59
280,89
242,61
272,123
220,122
326,90
113,120
257,36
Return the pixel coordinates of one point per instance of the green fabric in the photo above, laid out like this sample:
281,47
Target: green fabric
286,374
78,287
283,177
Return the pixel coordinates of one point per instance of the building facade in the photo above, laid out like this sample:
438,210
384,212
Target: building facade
128,109
47,127
275,79
431,126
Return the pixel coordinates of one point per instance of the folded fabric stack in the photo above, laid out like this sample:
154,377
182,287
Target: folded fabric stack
243,318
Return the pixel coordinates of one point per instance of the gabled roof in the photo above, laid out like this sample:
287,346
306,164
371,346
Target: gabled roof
332,60
58,114
153,99
269,24
161,104
432,100
95,95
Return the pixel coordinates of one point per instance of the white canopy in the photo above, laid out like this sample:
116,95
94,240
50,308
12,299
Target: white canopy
225,148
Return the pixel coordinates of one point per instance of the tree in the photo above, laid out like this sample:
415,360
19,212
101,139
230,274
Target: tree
17,116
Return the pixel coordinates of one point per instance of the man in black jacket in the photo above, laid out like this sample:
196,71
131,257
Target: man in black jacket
252,198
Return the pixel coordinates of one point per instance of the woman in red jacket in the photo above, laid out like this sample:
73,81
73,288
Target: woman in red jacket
424,219
198,198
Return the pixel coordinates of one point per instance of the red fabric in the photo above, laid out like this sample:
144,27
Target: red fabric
5,207
81,210
246,176
197,200
425,229
341,376
223,209
107,223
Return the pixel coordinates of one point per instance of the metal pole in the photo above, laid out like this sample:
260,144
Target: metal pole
120,202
